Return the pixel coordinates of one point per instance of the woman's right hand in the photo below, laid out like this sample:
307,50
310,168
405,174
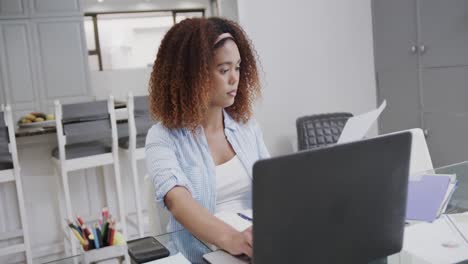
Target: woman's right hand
238,243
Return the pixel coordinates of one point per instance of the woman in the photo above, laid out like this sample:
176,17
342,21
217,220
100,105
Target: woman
200,155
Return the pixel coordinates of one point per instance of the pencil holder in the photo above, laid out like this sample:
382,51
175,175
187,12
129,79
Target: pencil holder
106,255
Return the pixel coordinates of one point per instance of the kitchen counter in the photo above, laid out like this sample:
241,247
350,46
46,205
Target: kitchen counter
120,115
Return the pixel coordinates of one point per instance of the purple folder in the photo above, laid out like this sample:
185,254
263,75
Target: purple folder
425,197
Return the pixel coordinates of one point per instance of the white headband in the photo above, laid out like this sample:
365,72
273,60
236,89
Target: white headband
222,36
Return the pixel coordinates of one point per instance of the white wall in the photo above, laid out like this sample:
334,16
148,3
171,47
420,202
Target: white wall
228,9
317,57
120,82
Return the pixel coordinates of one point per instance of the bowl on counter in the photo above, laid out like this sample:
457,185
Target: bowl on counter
36,119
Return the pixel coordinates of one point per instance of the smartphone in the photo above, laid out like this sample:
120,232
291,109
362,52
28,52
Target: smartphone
146,249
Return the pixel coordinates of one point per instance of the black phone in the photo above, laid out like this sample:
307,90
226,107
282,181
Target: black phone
146,249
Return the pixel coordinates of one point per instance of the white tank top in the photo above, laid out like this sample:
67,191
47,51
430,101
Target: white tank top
233,187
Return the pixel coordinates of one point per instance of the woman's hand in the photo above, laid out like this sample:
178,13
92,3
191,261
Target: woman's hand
238,243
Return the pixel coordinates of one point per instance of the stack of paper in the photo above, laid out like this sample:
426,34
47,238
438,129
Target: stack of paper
448,195
233,219
428,196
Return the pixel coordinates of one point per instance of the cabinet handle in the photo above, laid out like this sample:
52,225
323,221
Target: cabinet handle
422,49
414,49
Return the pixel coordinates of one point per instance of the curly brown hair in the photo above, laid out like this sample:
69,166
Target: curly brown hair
179,85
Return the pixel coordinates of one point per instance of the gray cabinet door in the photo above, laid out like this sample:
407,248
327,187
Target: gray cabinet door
47,8
395,34
13,9
444,32
435,90
447,137
396,62
445,113
400,89
62,58
445,90
18,76
444,75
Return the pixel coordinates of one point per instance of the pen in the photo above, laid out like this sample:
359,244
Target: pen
105,213
99,235
78,236
80,220
111,234
96,238
72,226
245,217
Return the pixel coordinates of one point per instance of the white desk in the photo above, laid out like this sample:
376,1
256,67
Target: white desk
439,242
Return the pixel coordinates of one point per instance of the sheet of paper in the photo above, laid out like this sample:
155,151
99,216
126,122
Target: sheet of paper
234,220
436,242
358,126
174,259
448,196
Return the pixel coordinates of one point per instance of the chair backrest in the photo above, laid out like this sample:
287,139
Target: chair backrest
321,130
86,122
143,121
158,216
7,136
4,139
139,121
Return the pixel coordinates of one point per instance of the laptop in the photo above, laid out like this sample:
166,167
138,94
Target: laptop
339,204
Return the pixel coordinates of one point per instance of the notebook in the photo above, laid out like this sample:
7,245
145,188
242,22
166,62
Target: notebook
426,197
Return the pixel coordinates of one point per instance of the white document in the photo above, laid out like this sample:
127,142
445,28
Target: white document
357,126
222,257
448,195
174,259
234,220
436,242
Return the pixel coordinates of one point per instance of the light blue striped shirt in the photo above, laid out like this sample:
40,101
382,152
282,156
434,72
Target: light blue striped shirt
177,157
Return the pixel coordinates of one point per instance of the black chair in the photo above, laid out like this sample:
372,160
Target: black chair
321,130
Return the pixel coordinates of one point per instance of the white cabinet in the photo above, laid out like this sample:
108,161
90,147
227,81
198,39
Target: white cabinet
47,8
43,54
13,9
63,66
17,65
42,60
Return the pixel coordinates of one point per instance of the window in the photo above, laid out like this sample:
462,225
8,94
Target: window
130,39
